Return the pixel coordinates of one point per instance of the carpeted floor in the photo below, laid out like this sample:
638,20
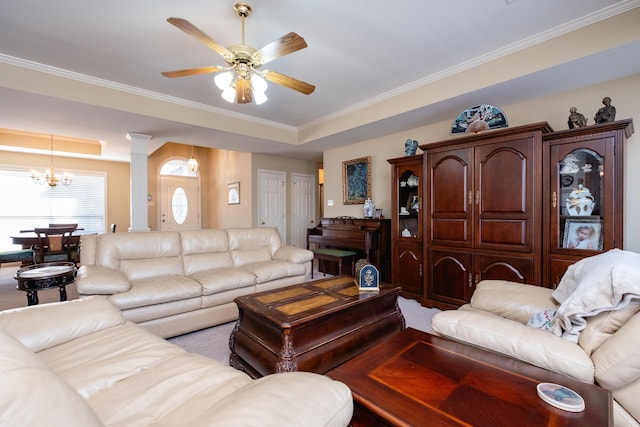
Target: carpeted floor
210,342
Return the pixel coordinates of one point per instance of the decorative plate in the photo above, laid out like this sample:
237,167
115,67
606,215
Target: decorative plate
478,118
560,397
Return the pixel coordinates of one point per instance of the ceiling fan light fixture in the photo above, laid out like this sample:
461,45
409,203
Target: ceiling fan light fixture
258,83
223,80
229,94
259,97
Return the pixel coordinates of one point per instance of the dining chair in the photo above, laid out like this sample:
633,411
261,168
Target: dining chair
55,244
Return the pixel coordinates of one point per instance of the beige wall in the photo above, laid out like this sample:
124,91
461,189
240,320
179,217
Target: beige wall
118,186
553,109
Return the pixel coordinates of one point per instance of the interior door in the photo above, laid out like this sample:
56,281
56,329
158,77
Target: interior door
272,195
303,197
180,203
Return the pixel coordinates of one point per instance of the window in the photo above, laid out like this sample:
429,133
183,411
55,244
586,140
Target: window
26,205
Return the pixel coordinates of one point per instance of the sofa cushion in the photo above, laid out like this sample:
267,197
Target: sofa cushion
33,395
514,339
174,391
515,301
157,290
224,279
259,404
616,361
250,238
197,263
242,257
34,326
204,241
602,326
117,247
95,362
139,269
273,270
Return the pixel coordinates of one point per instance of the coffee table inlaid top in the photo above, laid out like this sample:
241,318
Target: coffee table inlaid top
415,378
320,297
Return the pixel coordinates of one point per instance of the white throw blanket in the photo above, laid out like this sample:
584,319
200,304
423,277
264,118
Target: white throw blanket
608,281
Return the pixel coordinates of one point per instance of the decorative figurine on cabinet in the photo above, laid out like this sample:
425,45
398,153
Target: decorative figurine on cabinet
576,120
410,147
606,113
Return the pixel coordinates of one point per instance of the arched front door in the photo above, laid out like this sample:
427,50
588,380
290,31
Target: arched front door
179,197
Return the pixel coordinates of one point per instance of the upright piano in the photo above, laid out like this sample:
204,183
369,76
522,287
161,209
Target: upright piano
370,238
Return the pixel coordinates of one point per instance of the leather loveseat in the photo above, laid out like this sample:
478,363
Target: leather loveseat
607,350
174,282
80,364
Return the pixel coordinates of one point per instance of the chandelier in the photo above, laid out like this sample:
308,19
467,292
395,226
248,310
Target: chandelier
50,177
192,163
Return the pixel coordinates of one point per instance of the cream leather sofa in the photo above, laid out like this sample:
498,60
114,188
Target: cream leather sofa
80,364
607,352
173,282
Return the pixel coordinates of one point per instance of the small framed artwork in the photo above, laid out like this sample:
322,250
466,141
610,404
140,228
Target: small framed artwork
356,180
378,214
582,234
233,193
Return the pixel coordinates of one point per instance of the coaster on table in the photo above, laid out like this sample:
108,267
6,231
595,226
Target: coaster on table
561,397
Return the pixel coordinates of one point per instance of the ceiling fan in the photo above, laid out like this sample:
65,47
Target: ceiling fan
243,80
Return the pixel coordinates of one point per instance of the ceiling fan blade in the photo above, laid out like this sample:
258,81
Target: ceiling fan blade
285,45
197,34
290,82
192,71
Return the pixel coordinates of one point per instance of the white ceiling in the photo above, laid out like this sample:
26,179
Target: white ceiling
91,69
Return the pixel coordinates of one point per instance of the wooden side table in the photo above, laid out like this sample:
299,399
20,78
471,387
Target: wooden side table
46,275
334,255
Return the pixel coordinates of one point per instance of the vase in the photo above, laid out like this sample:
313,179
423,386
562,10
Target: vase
580,202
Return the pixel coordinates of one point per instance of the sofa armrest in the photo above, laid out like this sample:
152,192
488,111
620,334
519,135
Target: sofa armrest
515,301
511,338
100,280
293,254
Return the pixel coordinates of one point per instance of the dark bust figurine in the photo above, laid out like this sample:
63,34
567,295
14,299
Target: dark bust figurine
606,113
576,120
410,147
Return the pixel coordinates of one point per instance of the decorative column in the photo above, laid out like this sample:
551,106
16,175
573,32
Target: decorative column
139,181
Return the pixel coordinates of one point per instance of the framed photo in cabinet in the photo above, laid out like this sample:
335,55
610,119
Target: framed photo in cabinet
582,234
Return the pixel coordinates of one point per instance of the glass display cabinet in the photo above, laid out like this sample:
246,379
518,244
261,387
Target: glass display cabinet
406,229
584,178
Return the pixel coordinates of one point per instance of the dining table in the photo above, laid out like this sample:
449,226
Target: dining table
28,238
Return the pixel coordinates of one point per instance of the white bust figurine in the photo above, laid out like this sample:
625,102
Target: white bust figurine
368,208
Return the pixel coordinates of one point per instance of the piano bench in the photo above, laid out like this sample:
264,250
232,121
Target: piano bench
334,255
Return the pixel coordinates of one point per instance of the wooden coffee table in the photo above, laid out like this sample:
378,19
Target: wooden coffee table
311,327
416,379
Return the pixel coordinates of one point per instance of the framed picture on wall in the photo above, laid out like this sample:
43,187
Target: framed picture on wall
233,193
356,180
